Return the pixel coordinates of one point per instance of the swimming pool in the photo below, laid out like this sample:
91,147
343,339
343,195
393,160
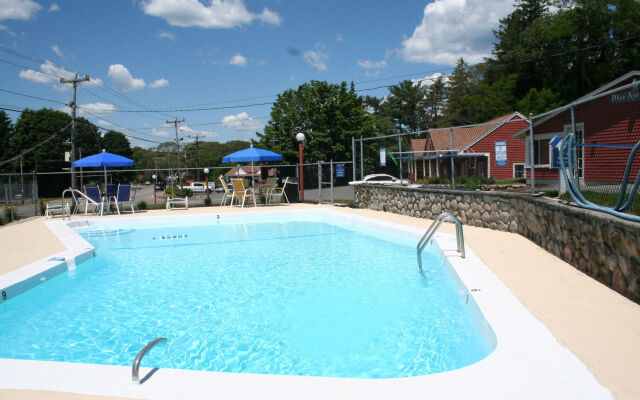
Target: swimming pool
301,295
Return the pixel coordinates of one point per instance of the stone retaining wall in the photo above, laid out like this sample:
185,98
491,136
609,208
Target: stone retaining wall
600,245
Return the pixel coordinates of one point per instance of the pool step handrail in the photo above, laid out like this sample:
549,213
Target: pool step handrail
136,362
432,230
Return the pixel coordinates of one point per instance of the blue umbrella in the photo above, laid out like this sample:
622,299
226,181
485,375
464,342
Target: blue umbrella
252,154
103,160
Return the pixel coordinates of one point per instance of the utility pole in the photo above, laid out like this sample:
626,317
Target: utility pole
75,81
197,137
175,123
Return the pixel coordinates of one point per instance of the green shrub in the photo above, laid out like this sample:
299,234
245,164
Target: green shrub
42,207
177,192
207,201
142,205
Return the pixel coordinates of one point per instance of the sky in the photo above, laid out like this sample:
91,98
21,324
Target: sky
218,64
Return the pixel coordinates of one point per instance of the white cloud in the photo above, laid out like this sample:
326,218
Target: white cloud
270,17
54,7
166,35
158,83
97,81
48,74
242,122
57,50
238,60
121,77
96,109
430,79
316,59
217,14
372,64
372,68
339,37
451,29
193,132
162,132
18,9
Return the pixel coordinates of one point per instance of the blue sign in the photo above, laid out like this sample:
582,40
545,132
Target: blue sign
339,170
501,153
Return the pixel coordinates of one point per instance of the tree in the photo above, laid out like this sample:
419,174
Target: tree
462,82
33,128
328,114
407,102
88,140
117,143
6,132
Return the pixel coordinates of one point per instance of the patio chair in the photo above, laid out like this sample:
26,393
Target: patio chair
80,199
268,186
228,193
53,209
123,195
173,202
240,191
278,192
93,193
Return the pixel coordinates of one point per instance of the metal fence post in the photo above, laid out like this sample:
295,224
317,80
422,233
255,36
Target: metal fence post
34,193
453,174
319,182
531,160
353,156
10,199
331,178
400,152
361,160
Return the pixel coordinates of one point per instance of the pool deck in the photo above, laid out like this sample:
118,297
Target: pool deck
599,326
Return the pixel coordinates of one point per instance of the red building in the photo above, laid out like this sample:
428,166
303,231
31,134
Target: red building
611,120
487,149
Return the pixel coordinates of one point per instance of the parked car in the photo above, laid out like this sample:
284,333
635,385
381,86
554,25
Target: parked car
160,185
199,187
380,179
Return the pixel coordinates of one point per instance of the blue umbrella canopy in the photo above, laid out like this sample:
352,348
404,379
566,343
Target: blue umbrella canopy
252,154
104,160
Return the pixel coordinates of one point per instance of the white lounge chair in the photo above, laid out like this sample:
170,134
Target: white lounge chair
82,200
57,209
174,202
278,192
228,193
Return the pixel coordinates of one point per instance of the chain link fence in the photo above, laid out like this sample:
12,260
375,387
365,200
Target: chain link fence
26,195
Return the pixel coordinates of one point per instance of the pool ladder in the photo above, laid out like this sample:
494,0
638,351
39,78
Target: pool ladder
432,230
136,362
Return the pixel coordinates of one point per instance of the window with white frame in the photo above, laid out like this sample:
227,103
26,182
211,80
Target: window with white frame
518,170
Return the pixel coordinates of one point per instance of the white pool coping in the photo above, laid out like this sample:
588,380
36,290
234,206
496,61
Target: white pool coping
527,362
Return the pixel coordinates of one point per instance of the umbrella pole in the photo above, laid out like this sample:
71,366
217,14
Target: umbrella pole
105,179
251,174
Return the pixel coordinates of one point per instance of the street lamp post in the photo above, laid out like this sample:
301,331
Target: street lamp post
300,139
155,184
206,177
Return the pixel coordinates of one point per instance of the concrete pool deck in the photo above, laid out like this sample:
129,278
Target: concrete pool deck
595,323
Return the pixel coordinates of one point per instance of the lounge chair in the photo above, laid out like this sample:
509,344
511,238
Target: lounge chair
173,202
123,195
93,193
82,199
240,191
228,193
278,192
266,189
53,209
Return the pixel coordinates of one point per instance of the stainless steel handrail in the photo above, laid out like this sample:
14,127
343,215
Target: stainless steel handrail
62,201
141,353
432,230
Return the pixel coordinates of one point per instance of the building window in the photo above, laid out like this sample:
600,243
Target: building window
518,170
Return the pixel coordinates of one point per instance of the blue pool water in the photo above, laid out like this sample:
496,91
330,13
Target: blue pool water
288,298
